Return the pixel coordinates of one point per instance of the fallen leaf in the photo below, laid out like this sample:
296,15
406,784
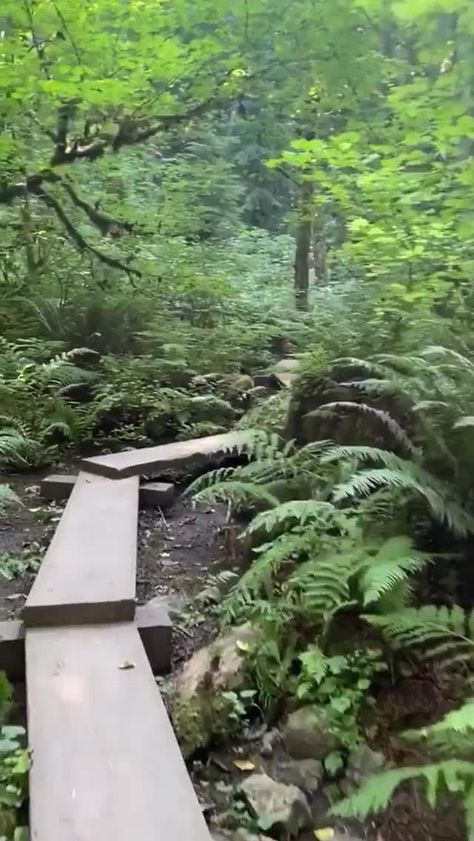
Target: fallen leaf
243,764
324,834
127,665
242,646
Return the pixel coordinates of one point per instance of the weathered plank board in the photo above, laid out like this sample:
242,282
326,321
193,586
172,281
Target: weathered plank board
88,572
180,455
105,761
58,487
151,620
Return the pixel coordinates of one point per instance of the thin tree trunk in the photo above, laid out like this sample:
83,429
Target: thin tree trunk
303,245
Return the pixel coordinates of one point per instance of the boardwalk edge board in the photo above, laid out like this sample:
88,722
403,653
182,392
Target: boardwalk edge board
181,454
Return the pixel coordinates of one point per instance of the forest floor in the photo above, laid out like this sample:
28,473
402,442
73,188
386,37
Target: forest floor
179,552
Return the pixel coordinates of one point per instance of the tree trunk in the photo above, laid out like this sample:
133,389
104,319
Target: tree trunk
303,245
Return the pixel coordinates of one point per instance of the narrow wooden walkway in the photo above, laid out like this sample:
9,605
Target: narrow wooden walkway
106,766
182,454
88,573
105,761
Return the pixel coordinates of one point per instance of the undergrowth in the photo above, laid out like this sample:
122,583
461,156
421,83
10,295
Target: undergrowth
333,528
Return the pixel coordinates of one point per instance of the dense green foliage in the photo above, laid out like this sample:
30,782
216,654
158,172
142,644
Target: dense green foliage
162,166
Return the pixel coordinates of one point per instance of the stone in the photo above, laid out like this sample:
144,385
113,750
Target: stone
305,774
269,740
157,494
221,663
279,808
172,603
200,708
287,370
307,734
268,381
362,763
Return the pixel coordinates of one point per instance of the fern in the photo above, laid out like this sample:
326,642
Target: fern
374,795
391,425
392,564
301,510
8,498
288,547
322,586
16,448
442,633
407,476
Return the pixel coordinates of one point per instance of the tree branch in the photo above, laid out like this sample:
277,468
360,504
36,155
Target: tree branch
105,223
51,202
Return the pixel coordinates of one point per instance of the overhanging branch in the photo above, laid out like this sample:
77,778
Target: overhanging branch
79,241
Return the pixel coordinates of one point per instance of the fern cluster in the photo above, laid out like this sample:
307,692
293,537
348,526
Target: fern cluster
453,734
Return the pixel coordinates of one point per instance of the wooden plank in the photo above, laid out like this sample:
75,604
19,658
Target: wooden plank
88,572
152,621
12,649
181,454
105,761
58,487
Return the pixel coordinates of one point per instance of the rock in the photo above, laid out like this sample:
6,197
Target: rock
268,381
307,734
362,763
83,355
287,370
173,603
279,808
302,773
269,740
200,706
220,663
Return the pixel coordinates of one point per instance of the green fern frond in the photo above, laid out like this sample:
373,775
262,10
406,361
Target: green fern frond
437,631
16,448
237,492
460,720
464,422
432,405
394,562
300,510
8,498
213,477
440,351
374,795
408,365
391,425
352,362
374,386
323,582
287,547
409,477
361,453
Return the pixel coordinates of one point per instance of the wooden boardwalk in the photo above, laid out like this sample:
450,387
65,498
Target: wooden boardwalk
183,455
106,765
88,573
105,762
